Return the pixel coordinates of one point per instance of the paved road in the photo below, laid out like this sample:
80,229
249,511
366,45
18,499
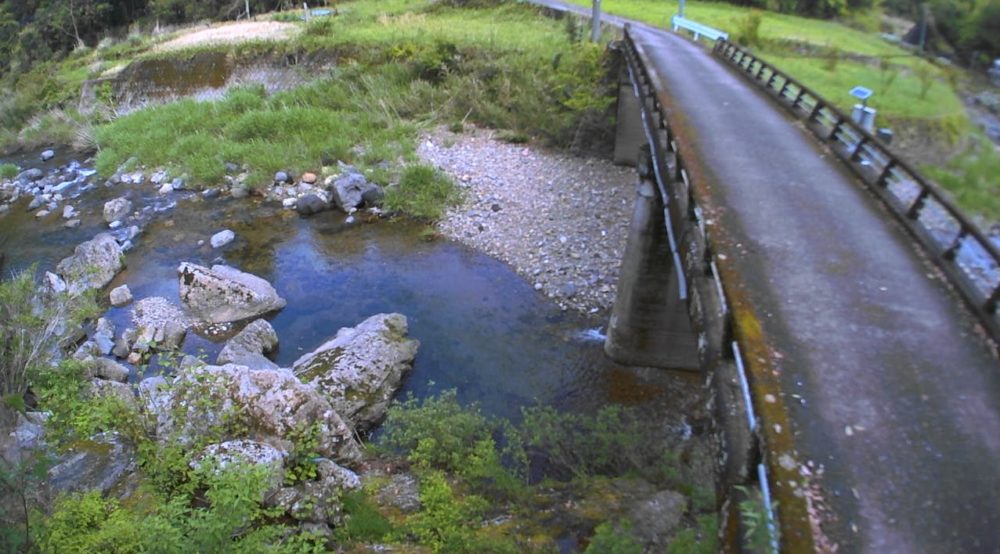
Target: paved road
900,395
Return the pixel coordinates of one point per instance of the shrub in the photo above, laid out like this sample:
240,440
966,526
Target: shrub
363,522
702,539
925,74
438,433
609,540
444,521
8,171
21,477
422,192
614,442
748,28
226,517
30,326
971,177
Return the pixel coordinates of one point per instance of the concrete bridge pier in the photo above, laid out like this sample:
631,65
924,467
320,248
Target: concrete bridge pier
629,134
649,322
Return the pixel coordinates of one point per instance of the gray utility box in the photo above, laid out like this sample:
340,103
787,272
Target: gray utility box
864,116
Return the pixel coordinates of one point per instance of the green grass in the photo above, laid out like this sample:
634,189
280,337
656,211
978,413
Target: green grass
288,131
899,102
774,26
972,179
422,192
8,171
397,73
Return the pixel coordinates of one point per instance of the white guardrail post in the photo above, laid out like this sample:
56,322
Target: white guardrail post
698,29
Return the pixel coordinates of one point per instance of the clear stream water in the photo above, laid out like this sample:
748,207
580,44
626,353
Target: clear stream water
483,329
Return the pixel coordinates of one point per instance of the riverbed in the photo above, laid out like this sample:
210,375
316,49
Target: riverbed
484,330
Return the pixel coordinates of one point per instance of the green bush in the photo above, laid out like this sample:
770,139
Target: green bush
363,522
8,171
422,192
20,481
438,433
748,28
702,539
444,523
226,516
64,391
30,327
609,540
971,177
614,442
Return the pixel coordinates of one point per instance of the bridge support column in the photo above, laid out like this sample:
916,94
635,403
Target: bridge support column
629,136
649,323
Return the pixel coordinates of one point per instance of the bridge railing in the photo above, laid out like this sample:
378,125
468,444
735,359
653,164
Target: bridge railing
966,255
699,279
698,29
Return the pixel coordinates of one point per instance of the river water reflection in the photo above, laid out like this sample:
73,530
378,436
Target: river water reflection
483,329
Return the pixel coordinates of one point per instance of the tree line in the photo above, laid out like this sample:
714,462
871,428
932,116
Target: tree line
968,28
36,30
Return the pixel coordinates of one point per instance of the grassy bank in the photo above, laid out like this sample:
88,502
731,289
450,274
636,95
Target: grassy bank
401,66
829,56
913,96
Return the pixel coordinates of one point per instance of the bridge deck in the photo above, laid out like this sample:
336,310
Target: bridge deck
890,386
900,395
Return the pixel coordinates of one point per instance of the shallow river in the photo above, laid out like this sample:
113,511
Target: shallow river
483,329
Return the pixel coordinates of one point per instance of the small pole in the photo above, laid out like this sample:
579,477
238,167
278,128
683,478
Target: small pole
680,9
923,27
247,4
595,20
305,11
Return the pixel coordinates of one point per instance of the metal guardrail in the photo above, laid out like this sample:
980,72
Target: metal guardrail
699,29
691,247
908,194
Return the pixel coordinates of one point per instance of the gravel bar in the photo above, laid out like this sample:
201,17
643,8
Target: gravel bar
560,221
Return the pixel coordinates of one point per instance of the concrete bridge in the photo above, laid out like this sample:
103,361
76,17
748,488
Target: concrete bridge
854,361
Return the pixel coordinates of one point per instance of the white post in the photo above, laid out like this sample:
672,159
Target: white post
595,22
247,4
680,8
305,11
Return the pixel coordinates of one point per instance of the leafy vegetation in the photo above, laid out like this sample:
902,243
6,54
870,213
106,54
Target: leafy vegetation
828,56
972,178
462,457
401,71
225,516
422,191
608,540
31,325
364,523
8,171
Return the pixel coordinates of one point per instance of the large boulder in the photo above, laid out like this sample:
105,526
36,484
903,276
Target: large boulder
271,406
310,204
348,190
104,336
223,294
249,346
120,296
103,463
117,209
248,452
108,369
93,264
30,175
361,368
